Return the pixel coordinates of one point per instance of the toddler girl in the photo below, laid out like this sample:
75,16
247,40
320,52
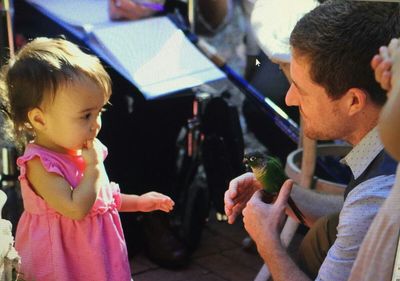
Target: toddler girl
70,229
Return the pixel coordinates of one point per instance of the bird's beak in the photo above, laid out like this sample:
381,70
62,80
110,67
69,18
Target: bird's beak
246,164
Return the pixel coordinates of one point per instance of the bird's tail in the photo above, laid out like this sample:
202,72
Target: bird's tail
296,210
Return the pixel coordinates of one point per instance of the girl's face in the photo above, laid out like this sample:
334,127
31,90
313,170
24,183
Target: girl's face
73,118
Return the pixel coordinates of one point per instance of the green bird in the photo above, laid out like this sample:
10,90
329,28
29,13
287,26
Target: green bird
269,172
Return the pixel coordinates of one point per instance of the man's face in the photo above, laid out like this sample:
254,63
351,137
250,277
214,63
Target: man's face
322,117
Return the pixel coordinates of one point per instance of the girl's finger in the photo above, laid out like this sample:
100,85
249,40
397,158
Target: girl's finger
376,60
88,144
393,46
384,53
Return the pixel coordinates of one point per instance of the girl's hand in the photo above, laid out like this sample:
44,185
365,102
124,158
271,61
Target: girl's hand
382,64
92,152
128,10
153,201
394,53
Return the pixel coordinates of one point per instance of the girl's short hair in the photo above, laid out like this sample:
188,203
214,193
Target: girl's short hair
36,73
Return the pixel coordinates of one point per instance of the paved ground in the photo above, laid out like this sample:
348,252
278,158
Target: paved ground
219,257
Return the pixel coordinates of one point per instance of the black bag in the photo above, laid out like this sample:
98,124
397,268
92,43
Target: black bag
223,148
221,156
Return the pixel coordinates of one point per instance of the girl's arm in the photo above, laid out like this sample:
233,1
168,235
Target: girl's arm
147,202
58,193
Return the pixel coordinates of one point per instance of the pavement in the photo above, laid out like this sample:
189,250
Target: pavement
219,257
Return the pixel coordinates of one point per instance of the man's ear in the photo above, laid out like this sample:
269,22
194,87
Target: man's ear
356,100
37,119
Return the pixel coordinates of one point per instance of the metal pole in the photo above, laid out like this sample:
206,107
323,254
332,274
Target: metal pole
6,33
192,15
8,171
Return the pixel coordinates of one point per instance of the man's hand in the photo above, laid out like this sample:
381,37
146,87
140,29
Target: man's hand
263,221
238,194
127,10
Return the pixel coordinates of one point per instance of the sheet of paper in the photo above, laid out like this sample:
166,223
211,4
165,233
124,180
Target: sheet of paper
79,17
76,12
151,53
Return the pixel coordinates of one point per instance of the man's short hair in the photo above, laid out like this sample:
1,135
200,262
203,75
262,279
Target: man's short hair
339,39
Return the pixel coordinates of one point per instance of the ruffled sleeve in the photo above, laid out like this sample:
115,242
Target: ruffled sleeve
49,163
69,167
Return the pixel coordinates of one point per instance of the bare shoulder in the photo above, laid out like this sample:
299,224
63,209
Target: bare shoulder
42,181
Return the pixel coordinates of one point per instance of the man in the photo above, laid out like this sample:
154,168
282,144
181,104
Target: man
338,98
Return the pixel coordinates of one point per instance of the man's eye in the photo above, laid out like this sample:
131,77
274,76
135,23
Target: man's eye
86,116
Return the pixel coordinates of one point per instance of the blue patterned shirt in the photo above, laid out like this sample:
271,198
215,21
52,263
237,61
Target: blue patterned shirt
359,209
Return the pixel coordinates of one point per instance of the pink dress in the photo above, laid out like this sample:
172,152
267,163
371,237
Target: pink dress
56,248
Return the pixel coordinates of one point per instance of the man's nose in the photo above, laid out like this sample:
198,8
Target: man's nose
291,98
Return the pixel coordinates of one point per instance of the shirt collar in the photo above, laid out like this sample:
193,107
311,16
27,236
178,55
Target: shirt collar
359,158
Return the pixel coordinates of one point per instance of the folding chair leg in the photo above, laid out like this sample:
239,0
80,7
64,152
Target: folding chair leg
263,274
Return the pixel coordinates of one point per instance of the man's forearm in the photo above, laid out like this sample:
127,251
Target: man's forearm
315,204
280,265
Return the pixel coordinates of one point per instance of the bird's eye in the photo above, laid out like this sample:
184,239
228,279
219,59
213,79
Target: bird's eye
252,158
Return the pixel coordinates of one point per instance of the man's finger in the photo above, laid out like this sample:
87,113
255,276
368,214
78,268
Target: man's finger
234,213
232,190
258,194
228,202
232,218
231,197
284,193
